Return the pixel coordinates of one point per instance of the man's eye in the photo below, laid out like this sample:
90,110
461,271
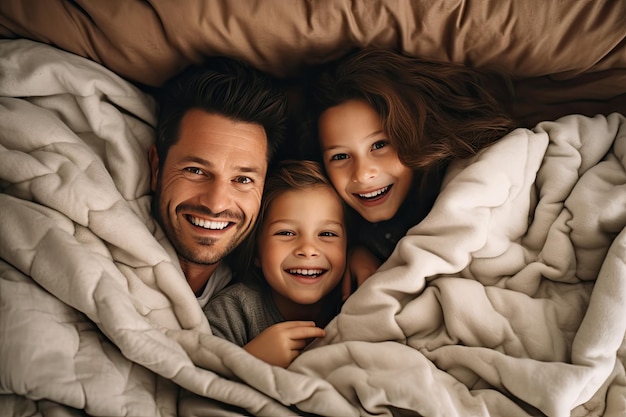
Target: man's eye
243,180
339,157
379,144
194,170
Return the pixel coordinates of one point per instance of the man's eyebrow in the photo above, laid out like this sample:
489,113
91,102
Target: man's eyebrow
197,159
254,170
206,162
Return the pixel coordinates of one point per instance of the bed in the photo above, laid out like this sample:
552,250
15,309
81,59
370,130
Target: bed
509,299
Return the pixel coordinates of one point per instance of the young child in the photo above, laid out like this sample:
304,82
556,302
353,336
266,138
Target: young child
388,125
296,256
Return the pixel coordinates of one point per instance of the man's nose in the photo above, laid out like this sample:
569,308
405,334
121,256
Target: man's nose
217,196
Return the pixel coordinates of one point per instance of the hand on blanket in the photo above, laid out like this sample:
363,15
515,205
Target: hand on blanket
361,264
281,343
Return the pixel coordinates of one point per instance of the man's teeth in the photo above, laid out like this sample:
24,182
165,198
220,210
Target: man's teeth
374,193
208,224
309,272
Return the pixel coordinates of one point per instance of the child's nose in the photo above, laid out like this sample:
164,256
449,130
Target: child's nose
364,171
307,249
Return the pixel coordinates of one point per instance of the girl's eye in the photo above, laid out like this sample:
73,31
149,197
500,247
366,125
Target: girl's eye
285,233
379,144
339,157
329,234
194,170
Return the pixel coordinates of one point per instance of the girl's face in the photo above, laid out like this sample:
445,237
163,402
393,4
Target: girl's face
361,162
302,246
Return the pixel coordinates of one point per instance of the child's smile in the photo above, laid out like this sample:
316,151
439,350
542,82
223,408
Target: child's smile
361,162
302,245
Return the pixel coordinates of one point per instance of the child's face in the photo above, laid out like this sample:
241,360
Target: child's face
302,245
360,161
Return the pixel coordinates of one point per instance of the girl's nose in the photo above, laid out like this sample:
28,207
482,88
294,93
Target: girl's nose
364,171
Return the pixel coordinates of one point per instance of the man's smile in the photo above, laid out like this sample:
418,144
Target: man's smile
208,224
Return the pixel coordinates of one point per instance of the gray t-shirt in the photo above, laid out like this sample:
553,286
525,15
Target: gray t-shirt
240,312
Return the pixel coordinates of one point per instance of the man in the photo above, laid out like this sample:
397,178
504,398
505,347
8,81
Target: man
219,126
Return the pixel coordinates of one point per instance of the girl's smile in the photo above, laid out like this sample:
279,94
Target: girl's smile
360,161
375,197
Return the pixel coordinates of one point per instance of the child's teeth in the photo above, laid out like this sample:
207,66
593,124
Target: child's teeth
374,193
306,271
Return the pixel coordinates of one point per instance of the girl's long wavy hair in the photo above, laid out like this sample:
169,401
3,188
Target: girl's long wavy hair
433,112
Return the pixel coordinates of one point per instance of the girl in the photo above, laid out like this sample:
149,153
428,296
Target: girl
296,256
387,127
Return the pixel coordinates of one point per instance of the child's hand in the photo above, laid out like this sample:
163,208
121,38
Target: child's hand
361,264
280,344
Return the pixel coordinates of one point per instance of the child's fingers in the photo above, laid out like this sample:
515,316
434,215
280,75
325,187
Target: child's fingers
295,323
306,332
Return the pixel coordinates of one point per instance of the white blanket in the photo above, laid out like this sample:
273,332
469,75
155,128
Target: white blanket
509,299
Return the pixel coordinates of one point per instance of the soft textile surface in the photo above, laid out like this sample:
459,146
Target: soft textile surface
508,299
566,56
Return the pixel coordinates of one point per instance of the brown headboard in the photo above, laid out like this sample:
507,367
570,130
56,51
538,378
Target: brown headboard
566,56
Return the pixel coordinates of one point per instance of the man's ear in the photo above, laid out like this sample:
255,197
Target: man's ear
154,166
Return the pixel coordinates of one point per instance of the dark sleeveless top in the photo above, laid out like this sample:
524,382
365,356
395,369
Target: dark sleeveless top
381,237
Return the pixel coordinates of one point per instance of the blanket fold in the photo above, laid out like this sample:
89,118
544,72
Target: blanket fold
508,299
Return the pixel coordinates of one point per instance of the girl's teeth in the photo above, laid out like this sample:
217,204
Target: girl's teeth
374,193
207,224
306,271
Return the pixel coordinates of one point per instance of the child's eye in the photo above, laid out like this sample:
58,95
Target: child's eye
339,157
379,144
329,234
284,233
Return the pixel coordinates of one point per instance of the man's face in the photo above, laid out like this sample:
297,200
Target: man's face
209,189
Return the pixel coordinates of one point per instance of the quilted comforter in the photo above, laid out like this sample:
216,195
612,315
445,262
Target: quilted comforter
509,299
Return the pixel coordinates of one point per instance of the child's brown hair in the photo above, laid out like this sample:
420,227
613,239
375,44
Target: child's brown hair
288,175
433,112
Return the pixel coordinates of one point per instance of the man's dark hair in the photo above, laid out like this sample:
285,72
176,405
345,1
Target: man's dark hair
225,87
